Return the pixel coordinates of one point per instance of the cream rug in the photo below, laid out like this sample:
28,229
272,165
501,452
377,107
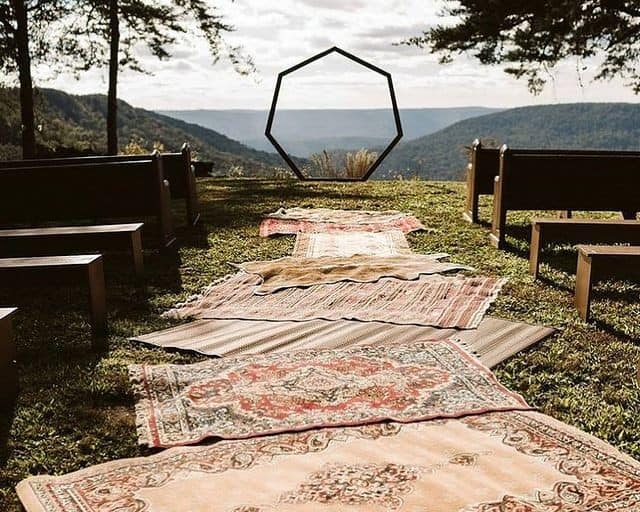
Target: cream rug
345,244
493,462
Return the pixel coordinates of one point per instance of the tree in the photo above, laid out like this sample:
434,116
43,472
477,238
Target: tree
107,33
533,36
23,39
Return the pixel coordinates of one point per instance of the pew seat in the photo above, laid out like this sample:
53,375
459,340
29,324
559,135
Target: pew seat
8,370
548,231
60,240
52,269
601,261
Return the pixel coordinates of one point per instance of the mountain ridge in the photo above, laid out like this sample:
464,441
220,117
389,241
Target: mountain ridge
76,124
442,155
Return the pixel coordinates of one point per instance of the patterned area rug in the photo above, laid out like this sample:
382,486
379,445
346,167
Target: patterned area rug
449,302
290,272
250,396
269,227
336,216
493,341
384,243
495,462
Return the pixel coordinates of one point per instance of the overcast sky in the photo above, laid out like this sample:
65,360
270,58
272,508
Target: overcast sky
280,33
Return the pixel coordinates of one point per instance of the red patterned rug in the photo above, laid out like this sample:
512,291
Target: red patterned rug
447,302
494,462
270,393
269,227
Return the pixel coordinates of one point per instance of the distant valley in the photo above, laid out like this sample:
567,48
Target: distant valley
303,132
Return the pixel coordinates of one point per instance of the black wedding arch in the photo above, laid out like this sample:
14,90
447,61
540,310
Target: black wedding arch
274,104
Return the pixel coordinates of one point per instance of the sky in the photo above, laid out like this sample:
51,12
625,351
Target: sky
280,33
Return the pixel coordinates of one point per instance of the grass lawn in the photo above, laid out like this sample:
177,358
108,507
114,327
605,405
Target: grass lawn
75,407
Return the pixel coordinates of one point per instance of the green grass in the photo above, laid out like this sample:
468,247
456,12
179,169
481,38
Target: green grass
75,406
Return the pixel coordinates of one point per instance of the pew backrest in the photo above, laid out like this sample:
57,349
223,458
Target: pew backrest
177,171
586,180
87,191
484,167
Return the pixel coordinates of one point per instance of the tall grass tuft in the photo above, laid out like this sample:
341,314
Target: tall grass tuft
359,163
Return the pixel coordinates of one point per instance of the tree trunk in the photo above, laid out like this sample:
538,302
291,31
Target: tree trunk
112,100
23,60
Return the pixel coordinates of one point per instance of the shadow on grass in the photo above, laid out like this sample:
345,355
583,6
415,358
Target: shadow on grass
7,414
607,327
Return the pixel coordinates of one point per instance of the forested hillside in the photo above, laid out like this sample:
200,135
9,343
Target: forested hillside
69,125
442,155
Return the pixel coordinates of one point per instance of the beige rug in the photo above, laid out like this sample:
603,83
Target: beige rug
291,272
458,302
493,341
494,462
264,394
383,243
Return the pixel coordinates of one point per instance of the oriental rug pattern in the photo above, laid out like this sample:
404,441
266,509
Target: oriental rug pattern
447,302
495,462
250,396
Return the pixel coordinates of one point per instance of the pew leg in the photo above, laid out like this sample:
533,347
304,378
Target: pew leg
471,213
534,250
499,217
8,370
97,297
584,286
136,250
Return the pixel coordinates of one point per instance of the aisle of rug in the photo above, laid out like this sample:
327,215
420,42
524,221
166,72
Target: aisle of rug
339,414
344,248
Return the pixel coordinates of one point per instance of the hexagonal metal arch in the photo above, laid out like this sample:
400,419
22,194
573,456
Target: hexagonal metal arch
396,115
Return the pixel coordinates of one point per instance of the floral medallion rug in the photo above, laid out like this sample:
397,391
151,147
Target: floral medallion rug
345,244
447,302
494,462
264,394
292,272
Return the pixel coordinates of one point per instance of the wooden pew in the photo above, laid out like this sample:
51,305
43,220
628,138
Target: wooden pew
599,261
51,269
481,171
546,231
8,370
484,167
591,181
135,190
177,169
58,240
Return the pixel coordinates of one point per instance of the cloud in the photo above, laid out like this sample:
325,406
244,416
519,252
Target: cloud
279,35
339,5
